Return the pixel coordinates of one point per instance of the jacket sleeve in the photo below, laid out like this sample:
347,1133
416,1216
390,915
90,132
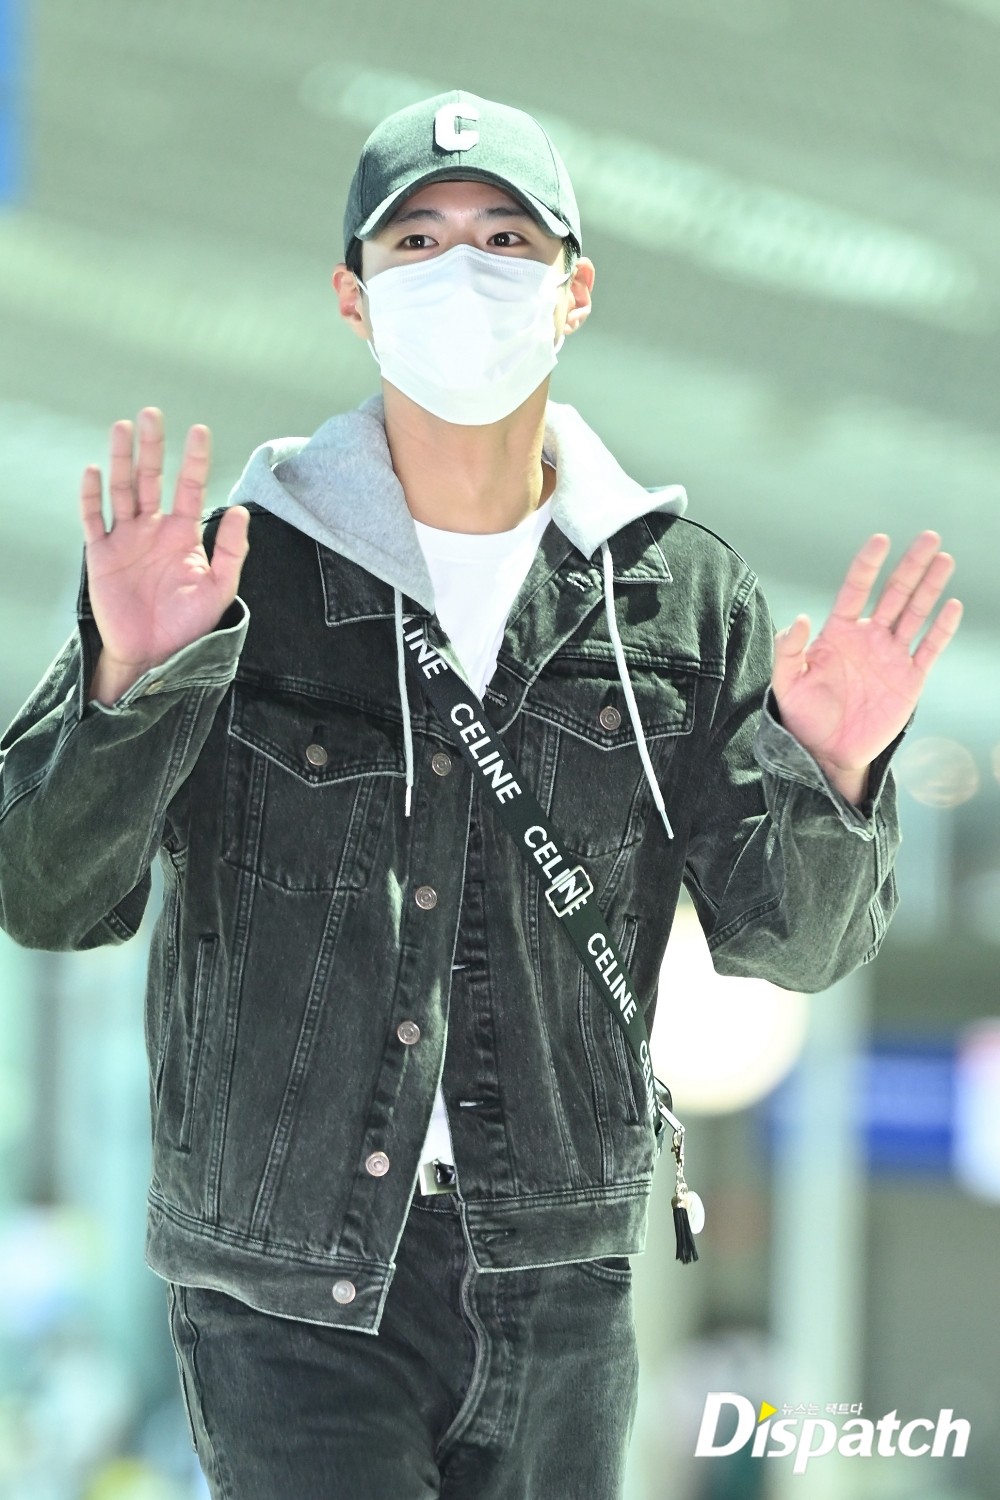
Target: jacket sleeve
792,882
84,787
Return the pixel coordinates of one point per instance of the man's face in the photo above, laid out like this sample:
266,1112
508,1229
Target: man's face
441,215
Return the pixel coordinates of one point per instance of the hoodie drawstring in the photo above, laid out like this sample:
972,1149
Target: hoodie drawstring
404,701
626,682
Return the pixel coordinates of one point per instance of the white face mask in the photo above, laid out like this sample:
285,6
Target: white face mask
467,335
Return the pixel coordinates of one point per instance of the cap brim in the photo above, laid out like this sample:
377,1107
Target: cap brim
544,216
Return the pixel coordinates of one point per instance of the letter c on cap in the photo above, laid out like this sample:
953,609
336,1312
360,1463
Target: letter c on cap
446,131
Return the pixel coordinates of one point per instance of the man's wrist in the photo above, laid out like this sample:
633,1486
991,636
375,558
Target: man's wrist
111,679
851,784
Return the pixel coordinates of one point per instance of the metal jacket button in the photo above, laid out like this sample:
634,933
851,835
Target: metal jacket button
344,1291
377,1164
408,1032
610,718
440,763
426,897
316,755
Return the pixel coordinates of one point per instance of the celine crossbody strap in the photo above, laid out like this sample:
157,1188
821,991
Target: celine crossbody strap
569,893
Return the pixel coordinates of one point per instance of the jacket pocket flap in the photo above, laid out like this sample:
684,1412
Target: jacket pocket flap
585,698
318,741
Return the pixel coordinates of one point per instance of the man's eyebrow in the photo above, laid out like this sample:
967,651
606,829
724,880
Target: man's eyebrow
502,211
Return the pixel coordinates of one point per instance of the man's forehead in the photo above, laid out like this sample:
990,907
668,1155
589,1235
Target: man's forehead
451,191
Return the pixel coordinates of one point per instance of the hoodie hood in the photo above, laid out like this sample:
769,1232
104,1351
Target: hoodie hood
339,487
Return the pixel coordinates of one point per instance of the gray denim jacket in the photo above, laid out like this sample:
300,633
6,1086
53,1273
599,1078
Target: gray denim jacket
301,1004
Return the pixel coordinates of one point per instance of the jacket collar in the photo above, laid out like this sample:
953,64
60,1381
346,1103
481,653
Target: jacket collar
339,487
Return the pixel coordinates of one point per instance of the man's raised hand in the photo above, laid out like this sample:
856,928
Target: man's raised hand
847,695
152,587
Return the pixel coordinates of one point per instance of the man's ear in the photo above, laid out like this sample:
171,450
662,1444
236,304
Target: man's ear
351,300
580,287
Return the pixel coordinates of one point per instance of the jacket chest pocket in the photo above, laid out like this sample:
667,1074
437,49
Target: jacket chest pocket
307,785
591,769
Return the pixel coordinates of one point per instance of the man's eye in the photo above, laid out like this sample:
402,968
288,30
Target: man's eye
405,244
506,235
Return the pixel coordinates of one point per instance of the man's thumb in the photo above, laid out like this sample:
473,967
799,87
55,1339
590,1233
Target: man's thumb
231,547
792,641
789,652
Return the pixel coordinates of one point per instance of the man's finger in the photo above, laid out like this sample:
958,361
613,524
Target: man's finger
924,597
231,548
789,653
862,573
91,511
149,469
120,472
938,636
793,639
905,578
189,496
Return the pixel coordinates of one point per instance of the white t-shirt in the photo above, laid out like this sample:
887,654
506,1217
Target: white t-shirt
476,579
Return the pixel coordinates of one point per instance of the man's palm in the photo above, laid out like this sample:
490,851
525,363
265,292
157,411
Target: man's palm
848,694
152,587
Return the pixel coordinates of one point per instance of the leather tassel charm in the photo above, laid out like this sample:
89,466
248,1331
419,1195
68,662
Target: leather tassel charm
689,1211
686,1251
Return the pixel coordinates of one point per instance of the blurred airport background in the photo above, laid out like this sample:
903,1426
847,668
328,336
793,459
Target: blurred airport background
794,209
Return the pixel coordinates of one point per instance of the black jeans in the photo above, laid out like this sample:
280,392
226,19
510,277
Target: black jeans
518,1385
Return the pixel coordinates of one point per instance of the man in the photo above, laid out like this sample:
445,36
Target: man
386,1097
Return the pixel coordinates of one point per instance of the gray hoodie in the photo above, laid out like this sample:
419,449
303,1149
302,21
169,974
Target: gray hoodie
340,488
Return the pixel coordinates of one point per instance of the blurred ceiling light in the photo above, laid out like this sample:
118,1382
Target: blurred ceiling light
744,229
937,771
988,9
718,1043
977,1109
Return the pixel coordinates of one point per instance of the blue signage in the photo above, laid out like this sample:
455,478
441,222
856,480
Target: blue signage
10,99
904,1100
908,1092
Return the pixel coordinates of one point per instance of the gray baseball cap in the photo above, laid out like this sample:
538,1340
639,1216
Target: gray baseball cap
459,135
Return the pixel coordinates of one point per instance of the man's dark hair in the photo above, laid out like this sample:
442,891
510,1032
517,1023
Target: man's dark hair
353,258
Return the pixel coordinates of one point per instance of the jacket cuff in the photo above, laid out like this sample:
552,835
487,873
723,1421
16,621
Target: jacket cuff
210,661
780,753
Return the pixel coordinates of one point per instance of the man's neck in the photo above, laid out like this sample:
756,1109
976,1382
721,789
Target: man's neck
472,479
